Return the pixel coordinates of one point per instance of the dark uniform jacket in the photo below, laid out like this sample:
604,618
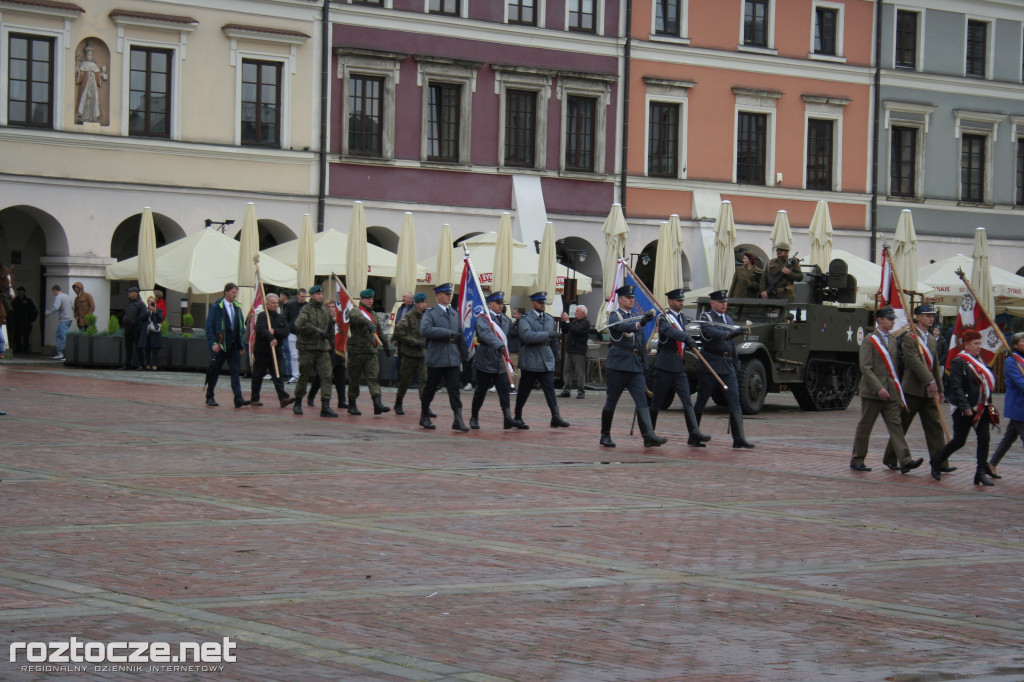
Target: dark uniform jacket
668,358
314,318
964,389
538,338
719,347
408,337
626,343
490,353
443,332
361,339
874,375
261,349
916,375
784,289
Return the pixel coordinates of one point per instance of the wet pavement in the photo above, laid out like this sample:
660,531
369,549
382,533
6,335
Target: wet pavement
366,548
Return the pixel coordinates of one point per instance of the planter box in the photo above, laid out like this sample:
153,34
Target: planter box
73,349
103,351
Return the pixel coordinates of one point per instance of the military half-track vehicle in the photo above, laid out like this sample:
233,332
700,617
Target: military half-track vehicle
809,344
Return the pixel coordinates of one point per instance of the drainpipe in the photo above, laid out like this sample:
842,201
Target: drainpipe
625,106
875,116
325,67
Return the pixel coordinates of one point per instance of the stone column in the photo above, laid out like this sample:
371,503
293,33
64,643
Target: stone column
91,271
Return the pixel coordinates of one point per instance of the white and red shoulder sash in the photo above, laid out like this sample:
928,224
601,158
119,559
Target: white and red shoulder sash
925,353
883,352
983,375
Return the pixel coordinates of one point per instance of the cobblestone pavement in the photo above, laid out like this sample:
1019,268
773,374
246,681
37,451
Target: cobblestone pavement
365,548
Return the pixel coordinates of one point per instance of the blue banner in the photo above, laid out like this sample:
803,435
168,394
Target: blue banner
643,304
471,301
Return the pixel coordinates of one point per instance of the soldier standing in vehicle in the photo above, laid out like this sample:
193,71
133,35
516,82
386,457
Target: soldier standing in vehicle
782,273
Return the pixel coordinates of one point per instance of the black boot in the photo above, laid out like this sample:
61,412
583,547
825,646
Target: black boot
981,477
309,400
736,425
342,404
458,424
352,409
398,408
696,439
556,420
379,407
509,422
297,406
325,409
651,439
517,421
606,428
425,420
474,422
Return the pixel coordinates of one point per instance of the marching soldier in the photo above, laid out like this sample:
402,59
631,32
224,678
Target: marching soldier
314,328
624,367
718,331
489,361
538,339
413,347
783,273
363,360
880,394
669,368
922,384
446,349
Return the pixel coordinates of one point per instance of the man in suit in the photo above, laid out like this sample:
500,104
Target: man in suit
719,331
490,360
625,365
225,336
922,385
538,348
442,330
881,394
670,370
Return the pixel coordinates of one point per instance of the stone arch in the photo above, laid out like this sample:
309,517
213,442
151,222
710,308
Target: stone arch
384,237
271,233
762,255
124,242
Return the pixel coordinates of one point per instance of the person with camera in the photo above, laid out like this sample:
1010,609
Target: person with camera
314,329
577,331
150,334
446,349
538,348
625,367
719,349
971,384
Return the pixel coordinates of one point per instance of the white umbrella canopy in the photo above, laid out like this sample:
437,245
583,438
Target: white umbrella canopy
946,289
442,272
356,260
781,231
204,262
406,273
503,263
302,254
329,251
666,274
725,248
547,266
248,247
615,231
981,275
821,236
904,250
525,266
147,253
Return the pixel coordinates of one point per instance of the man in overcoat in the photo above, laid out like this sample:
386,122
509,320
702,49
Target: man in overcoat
446,349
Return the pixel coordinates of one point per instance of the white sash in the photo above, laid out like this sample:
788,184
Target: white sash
923,345
496,328
889,366
984,377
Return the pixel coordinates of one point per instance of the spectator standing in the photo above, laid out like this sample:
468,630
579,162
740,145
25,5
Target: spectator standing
291,313
23,314
63,307
150,334
161,304
1013,408
84,305
133,311
578,330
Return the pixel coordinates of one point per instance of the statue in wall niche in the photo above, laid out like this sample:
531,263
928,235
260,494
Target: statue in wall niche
89,76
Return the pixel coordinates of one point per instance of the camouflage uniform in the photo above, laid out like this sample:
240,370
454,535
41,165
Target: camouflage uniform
362,355
413,346
314,349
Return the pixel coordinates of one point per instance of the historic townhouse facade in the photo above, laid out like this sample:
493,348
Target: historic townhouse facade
191,108
951,142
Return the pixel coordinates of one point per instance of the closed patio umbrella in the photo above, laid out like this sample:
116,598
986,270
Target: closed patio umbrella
781,231
904,251
503,266
406,274
615,232
356,260
666,274
548,265
305,256
443,269
725,248
821,236
147,254
981,276
248,247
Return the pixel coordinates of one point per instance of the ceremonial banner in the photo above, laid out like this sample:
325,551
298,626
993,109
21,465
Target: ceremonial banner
471,301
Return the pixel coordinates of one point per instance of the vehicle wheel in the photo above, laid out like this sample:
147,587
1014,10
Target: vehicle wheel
753,386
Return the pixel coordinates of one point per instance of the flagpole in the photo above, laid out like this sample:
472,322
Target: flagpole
263,295
472,273
977,302
903,304
662,311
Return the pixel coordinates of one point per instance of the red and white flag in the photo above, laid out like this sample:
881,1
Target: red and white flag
257,308
345,306
620,277
889,292
973,316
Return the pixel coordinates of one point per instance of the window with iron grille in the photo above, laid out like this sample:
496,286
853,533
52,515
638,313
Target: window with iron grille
663,140
582,16
977,40
261,103
902,161
149,92
666,18
906,39
579,133
825,21
520,128
30,81
522,12
751,148
365,115
1020,171
819,153
972,168
443,122
444,7
755,23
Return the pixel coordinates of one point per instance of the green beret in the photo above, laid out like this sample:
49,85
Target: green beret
315,289
366,293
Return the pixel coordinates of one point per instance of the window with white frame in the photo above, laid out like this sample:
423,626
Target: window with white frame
907,125
585,16
523,115
448,86
368,100
978,43
754,150
827,30
908,39
584,122
757,25
525,12
666,127
669,19
977,133
449,7
1017,133
823,151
